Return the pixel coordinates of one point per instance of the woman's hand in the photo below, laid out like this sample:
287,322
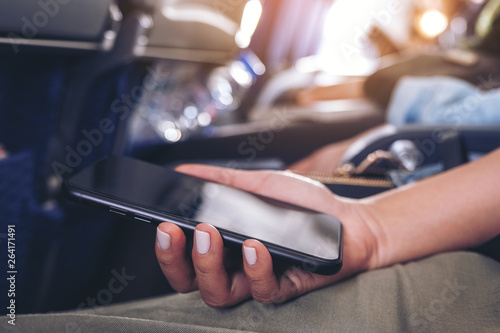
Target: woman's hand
224,280
431,216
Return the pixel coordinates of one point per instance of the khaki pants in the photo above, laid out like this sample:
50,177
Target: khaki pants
453,292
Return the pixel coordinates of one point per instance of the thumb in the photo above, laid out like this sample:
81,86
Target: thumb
279,185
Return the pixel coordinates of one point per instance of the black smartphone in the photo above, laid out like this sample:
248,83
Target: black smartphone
150,193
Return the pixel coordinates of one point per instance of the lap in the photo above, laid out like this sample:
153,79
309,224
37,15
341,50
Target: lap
456,292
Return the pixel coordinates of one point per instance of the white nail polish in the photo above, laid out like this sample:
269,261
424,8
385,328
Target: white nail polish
202,241
163,239
250,255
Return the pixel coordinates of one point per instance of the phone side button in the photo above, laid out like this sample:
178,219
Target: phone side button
142,218
118,211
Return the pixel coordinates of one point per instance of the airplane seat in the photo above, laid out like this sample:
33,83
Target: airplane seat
68,81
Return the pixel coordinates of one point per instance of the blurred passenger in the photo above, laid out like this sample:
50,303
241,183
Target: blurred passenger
475,61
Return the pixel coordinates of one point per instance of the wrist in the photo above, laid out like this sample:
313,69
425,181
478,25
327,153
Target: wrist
363,234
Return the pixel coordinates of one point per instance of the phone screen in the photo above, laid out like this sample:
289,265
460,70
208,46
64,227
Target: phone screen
145,187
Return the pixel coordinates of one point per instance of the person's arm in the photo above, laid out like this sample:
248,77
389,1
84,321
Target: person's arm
457,209
451,211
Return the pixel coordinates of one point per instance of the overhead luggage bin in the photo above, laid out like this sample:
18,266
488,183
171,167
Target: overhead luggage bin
201,30
89,25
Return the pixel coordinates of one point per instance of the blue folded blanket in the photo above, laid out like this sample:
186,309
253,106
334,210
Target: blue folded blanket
443,101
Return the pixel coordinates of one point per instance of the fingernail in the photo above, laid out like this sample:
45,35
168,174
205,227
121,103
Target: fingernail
250,255
202,241
163,239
